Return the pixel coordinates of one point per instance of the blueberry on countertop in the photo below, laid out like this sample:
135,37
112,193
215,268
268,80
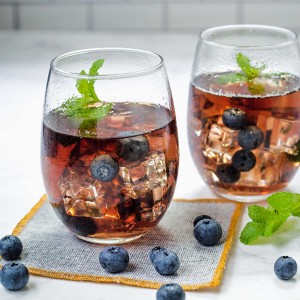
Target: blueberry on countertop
10,247
285,267
228,173
234,118
243,160
250,138
170,291
114,259
104,168
166,263
133,148
14,276
154,252
208,232
200,218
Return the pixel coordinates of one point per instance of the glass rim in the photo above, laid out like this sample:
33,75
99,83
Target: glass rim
204,35
144,71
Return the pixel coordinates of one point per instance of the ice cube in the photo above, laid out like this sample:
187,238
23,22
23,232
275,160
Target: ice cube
107,194
157,193
127,210
218,142
283,135
142,176
267,170
139,186
78,192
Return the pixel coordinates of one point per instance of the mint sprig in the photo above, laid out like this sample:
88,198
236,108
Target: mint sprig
267,220
88,106
248,74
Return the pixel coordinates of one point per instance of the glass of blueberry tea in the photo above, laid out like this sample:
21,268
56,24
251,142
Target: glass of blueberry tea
244,110
109,143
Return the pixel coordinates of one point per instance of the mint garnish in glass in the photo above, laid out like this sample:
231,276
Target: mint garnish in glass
249,74
87,107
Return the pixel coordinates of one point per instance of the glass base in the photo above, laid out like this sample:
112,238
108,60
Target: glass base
112,241
243,198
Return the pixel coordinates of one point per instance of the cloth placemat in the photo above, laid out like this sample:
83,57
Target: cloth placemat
50,250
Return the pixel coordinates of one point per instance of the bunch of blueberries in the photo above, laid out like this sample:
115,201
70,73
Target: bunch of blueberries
249,138
115,259
13,276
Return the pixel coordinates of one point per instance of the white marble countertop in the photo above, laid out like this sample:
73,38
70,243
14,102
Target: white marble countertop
24,63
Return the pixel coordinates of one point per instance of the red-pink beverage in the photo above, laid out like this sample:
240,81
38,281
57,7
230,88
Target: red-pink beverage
131,203
213,144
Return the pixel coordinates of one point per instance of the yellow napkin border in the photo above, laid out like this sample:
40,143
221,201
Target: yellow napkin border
134,282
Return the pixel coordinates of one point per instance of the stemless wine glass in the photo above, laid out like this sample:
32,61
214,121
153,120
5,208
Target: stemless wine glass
244,110
109,142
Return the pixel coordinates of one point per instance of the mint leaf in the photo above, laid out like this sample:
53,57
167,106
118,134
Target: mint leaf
82,86
267,220
88,106
97,64
87,125
231,78
259,214
283,201
274,223
86,87
251,232
296,210
93,72
97,113
256,88
244,63
278,74
287,203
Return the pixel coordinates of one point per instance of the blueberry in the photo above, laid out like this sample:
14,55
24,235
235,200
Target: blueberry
114,259
200,218
83,226
285,267
208,232
166,263
250,138
228,173
243,160
133,148
104,168
170,291
155,251
234,118
10,247
14,276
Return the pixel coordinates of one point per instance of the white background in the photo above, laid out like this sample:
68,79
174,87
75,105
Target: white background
137,15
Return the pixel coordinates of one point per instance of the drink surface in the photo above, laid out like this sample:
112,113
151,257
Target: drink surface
132,202
275,111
